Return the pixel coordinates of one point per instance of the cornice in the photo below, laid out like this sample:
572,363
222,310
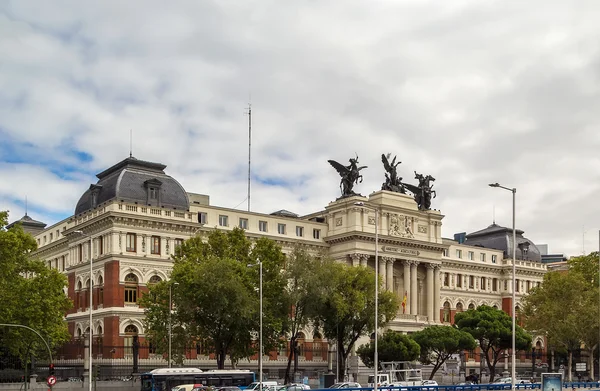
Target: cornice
368,237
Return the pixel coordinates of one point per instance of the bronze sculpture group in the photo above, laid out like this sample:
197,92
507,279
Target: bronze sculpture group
350,175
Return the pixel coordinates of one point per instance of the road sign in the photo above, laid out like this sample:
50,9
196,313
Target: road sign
562,366
580,367
51,380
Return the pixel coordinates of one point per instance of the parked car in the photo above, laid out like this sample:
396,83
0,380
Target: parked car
346,385
431,383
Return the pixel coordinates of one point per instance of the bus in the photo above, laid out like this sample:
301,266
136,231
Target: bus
164,379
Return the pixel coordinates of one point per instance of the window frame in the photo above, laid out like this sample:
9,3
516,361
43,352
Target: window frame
155,245
263,224
279,228
470,255
316,233
202,218
458,253
223,219
243,223
128,236
299,231
482,257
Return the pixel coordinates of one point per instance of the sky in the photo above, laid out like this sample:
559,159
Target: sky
470,92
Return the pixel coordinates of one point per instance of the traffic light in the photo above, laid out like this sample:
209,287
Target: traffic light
51,370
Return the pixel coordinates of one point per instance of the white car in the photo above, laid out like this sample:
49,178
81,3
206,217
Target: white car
431,383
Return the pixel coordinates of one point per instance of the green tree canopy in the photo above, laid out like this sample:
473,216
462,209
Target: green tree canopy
31,294
567,316
492,328
391,346
439,343
347,305
216,299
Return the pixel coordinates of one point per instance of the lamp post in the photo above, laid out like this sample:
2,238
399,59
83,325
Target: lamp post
514,281
170,323
375,355
90,309
260,331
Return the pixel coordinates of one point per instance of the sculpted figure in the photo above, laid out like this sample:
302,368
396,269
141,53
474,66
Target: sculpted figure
349,175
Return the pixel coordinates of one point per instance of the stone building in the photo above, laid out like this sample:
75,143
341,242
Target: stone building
135,215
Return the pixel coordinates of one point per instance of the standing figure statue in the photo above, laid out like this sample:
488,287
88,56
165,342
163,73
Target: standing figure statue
423,191
392,181
350,175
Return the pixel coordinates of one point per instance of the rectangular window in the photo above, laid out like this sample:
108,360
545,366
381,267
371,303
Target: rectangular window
178,242
446,279
316,234
223,221
62,263
470,255
495,284
100,245
281,229
482,257
101,296
458,253
300,231
155,249
505,285
202,218
262,226
51,236
243,223
517,284
445,252
471,282
80,252
131,295
459,280
494,258
153,193
482,282
131,242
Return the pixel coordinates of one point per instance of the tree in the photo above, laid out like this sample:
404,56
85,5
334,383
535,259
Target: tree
347,306
566,316
302,293
439,343
391,346
492,328
217,297
31,294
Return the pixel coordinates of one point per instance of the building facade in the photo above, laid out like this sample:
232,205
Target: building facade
133,218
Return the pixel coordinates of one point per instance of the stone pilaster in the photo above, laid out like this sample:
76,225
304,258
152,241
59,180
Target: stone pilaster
430,291
413,288
436,293
406,265
389,284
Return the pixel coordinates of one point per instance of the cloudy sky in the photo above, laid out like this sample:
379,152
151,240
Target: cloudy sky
471,92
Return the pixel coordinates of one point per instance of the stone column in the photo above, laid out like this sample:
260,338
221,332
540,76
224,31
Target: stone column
382,273
430,301
364,258
389,273
436,293
413,288
355,259
406,265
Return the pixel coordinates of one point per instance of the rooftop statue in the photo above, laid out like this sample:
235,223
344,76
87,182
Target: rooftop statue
392,181
350,175
423,191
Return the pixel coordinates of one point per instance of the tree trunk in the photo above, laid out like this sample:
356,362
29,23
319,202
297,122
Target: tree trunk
221,359
342,356
570,364
491,364
592,363
287,378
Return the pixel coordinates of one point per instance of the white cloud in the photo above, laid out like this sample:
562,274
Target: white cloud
471,92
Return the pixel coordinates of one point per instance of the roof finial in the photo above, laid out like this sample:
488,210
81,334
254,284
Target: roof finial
494,214
25,205
130,143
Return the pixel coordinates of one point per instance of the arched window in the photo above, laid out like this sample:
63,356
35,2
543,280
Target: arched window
78,294
130,332
471,306
99,332
131,289
495,306
446,312
86,295
317,348
154,280
100,292
459,307
78,334
300,343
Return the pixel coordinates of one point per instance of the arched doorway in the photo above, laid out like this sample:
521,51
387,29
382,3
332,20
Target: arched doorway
131,331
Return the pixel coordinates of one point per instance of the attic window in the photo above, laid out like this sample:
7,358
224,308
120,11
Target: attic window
153,193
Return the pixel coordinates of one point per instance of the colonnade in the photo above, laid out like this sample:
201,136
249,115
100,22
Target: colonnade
410,282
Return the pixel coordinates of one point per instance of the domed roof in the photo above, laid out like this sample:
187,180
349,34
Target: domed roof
135,181
501,238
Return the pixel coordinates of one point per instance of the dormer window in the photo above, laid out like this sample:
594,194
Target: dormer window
94,191
153,191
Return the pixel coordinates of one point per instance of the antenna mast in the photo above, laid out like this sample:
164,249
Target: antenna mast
25,205
249,148
130,143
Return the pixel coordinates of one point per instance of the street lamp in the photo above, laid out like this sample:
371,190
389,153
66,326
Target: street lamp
260,332
170,323
90,309
514,281
375,355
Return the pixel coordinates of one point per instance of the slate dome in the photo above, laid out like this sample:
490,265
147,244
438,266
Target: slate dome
501,238
135,181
